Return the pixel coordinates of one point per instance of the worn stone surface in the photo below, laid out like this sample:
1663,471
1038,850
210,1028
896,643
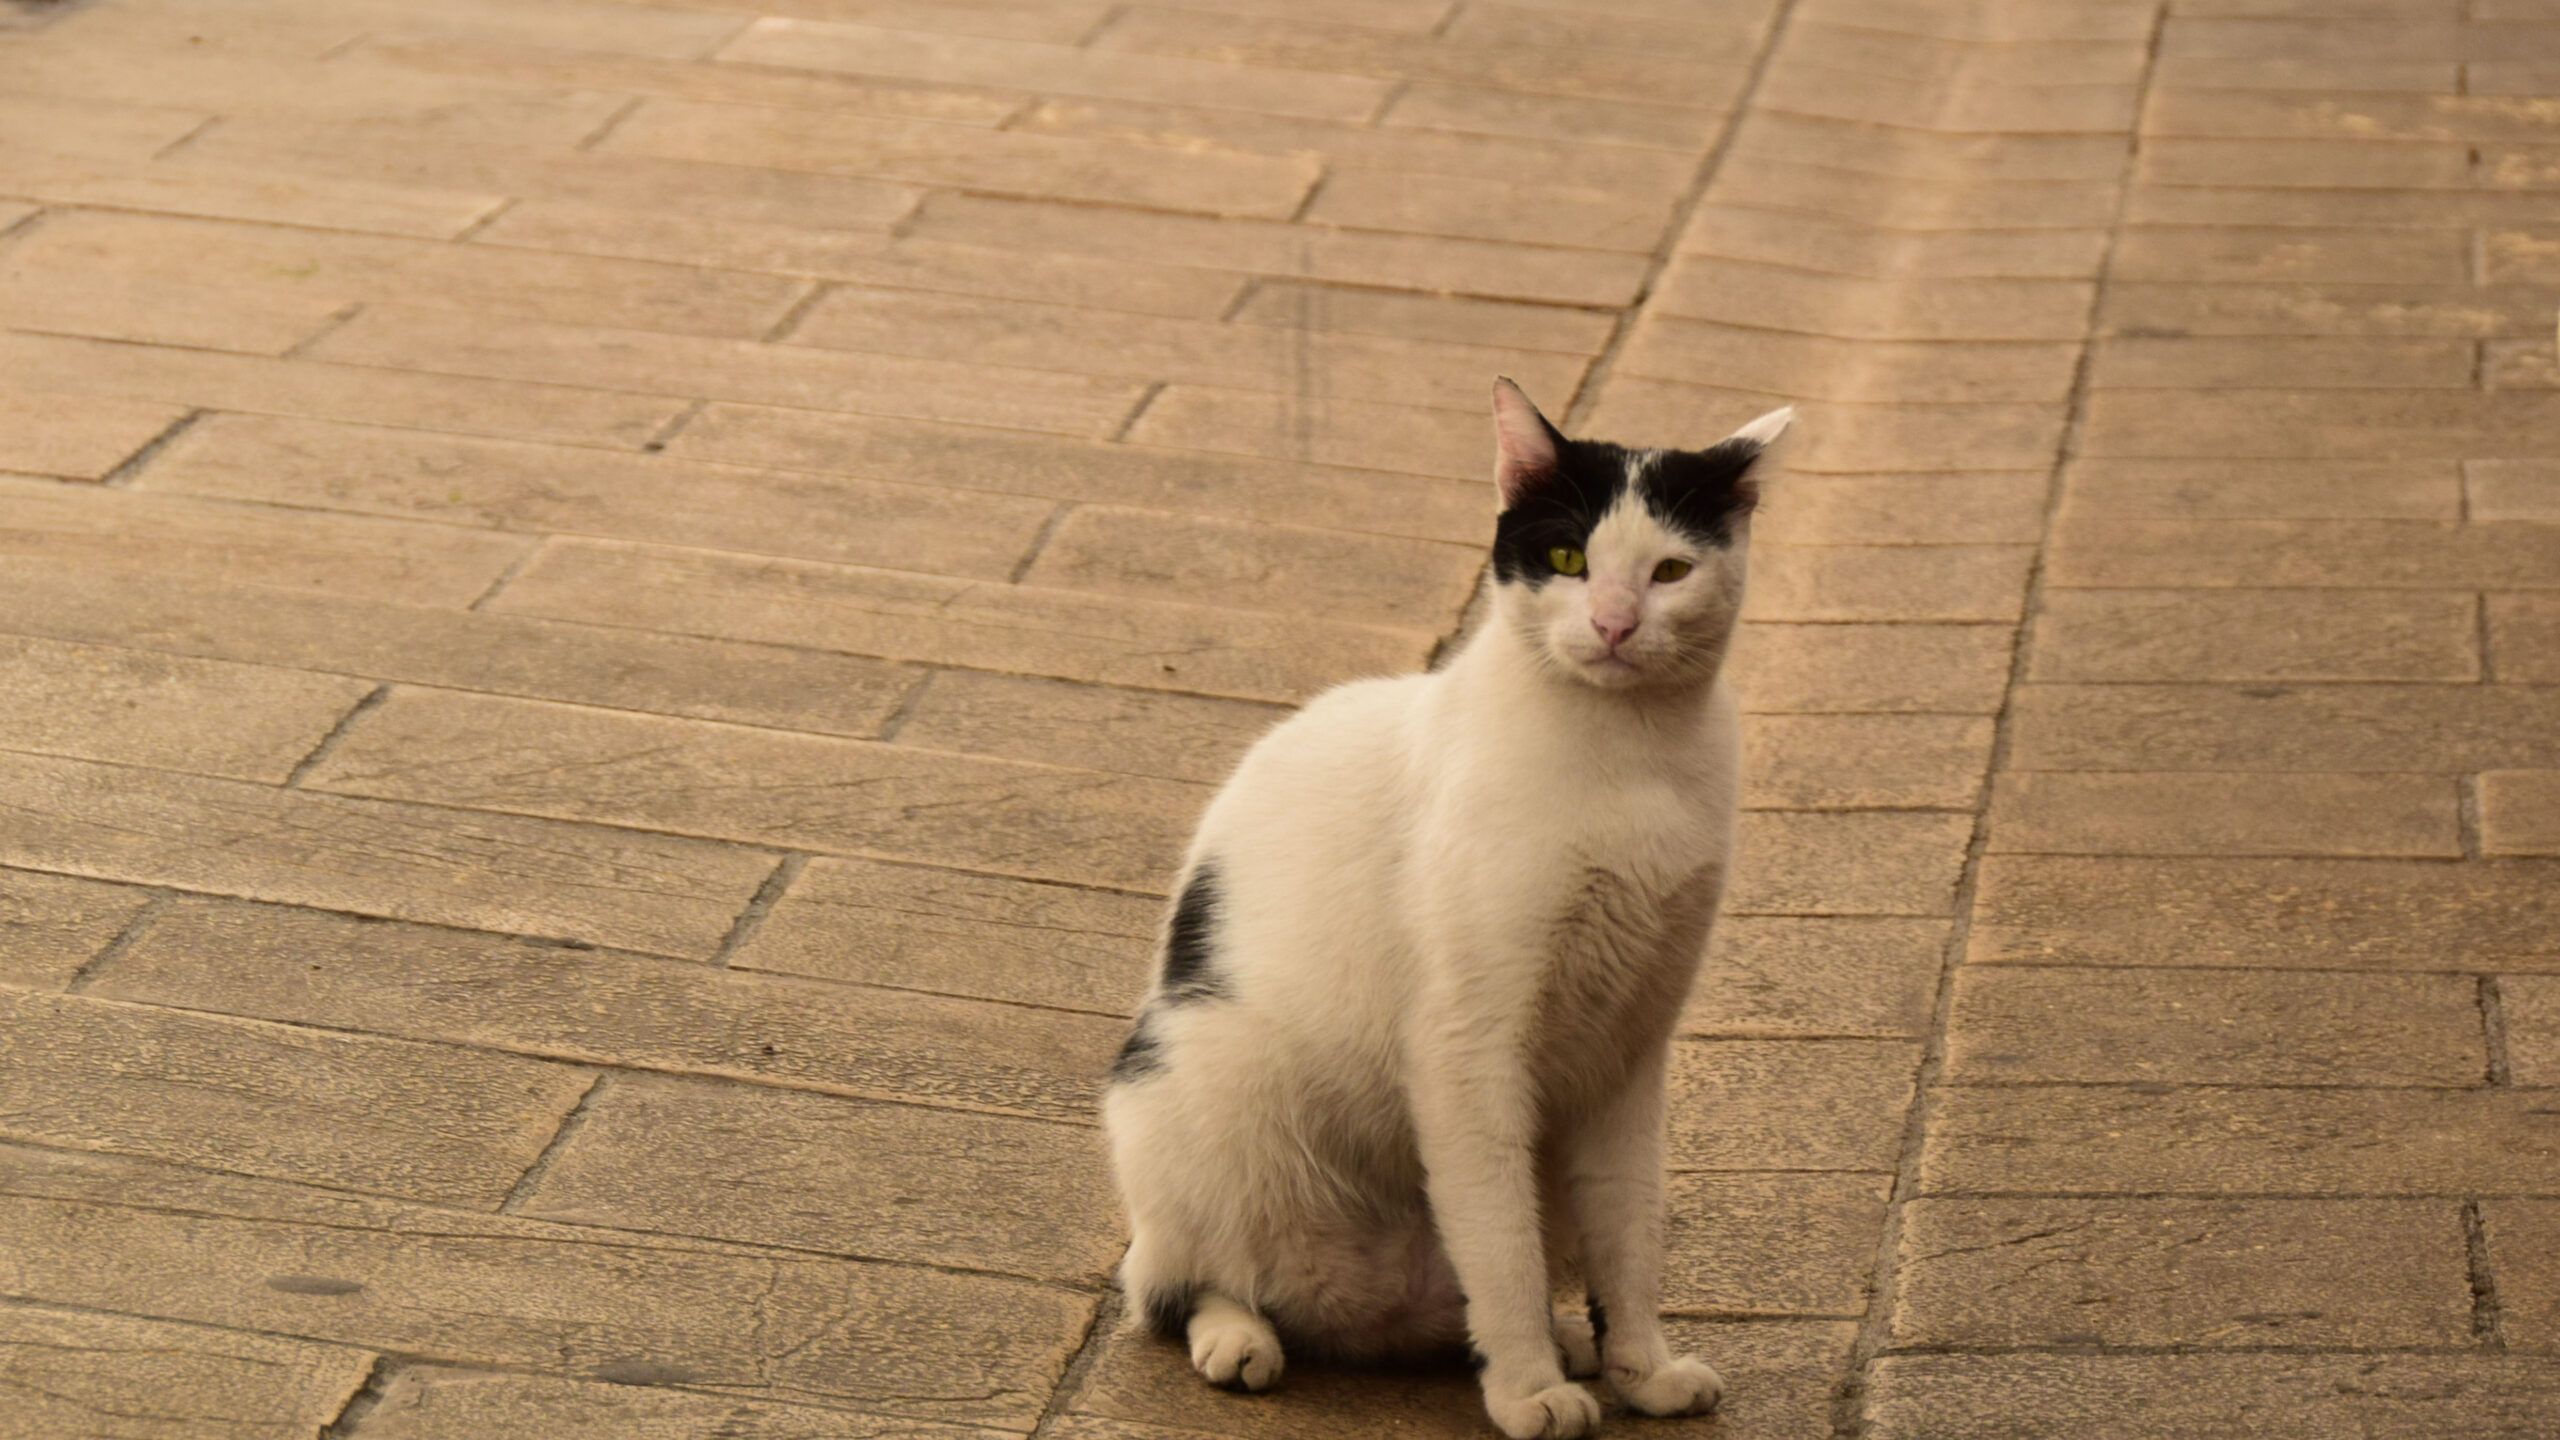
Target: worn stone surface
722,545
2183,1272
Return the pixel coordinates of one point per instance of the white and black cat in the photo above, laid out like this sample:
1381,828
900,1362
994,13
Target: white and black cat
1402,1071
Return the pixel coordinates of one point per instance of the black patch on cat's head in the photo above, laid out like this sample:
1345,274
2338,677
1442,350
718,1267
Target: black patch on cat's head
1141,1055
1190,972
1699,493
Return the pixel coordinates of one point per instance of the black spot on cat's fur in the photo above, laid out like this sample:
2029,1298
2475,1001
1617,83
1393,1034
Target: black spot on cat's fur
1141,1055
1697,492
1190,971
1168,1311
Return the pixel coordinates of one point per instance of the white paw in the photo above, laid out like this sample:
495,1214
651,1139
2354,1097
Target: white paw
1575,1342
1236,1354
1685,1386
1559,1412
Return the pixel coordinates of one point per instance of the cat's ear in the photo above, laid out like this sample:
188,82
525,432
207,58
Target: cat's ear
1526,448
1766,431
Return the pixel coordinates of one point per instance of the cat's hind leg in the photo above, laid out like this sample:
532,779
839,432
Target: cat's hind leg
1578,1341
1232,1347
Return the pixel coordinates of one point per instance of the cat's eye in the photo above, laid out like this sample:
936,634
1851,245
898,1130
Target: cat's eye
1566,559
1670,570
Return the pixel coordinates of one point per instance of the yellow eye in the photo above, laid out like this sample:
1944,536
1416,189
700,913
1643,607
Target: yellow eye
1670,570
1566,559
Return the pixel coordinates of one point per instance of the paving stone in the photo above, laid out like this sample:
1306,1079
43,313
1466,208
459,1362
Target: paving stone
424,1121
323,1265
2349,555
895,616
1764,297
2522,1237
2141,363
132,707
1865,762
496,348
2254,635
1847,247
324,271
1435,264
958,456
1925,155
52,925
421,1402
2285,1396
1667,79
39,295
1784,976
583,68
1927,104
1293,305
2520,812
1716,38
1831,583
2454,309
2213,1027
462,649
2273,72
1484,111
1093,727
507,485
1838,668
1819,367
2459,119
949,932
595,177
2313,914
2312,164
981,332
2531,1004
1064,21
2225,254
1929,509
920,152
82,442
1857,438
2518,365
2264,489
533,877
2152,1138
1789,1104
603,1007
2173,813
2245,206
362,557
1862,863
1412,584
1853,44
2513,490
860,258
914,55
2182,1272
1328,430
1632,173
2524,637
1561,215
2530,256
1778,1376
889,1182
2289,727
74,1372
763,787
94,370
1770,1244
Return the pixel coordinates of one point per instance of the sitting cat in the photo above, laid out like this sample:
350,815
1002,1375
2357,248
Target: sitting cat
1402,1070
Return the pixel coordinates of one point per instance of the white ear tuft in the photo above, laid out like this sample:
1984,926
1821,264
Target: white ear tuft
1525,446
1764,432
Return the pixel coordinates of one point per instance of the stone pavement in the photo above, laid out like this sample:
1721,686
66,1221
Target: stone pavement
612,614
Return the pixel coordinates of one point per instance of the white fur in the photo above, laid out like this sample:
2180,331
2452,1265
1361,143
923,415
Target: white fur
1459,913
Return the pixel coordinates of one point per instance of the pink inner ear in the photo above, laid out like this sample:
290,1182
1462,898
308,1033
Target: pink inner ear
1524,444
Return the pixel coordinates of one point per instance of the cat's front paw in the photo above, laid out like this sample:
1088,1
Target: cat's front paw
1559,1412
1237,1352
1686,1385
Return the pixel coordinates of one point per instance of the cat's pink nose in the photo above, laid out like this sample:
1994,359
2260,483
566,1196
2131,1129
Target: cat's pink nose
1614,629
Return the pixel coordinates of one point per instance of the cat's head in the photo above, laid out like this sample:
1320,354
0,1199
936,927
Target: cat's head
1621,568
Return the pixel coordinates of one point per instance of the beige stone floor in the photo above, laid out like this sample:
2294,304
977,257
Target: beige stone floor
611,615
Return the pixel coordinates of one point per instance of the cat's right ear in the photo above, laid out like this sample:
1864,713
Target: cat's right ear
1526,449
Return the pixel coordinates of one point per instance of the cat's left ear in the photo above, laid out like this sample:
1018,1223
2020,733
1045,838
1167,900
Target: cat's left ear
1526,449
1766,431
